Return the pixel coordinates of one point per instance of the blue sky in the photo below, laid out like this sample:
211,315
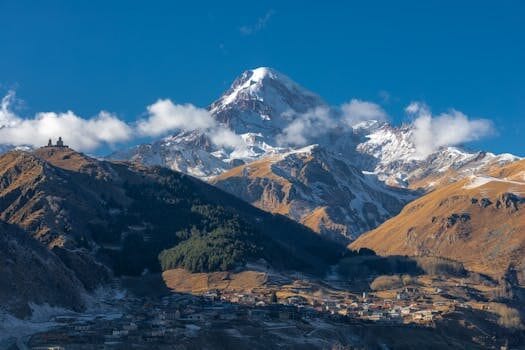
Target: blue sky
121,56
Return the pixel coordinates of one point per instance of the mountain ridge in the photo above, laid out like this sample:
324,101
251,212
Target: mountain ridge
259,106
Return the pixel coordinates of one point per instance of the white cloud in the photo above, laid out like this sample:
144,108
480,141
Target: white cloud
225,137
304,127
357,111
7,117
165,116
82,134
417,109
88,134
322,120
447,129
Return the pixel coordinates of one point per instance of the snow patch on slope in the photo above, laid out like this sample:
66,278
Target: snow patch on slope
478,181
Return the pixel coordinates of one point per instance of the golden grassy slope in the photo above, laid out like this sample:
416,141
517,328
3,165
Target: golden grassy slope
182,281
449,222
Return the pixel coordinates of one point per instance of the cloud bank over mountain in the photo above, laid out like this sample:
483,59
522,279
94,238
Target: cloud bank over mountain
165,116
87,134
82,133
319,121
446,129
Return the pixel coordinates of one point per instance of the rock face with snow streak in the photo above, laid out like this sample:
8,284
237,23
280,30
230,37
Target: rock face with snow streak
350,191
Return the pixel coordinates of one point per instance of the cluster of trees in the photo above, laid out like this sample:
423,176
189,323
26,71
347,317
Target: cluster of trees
223,240
508,317
218,240
433,265
223,248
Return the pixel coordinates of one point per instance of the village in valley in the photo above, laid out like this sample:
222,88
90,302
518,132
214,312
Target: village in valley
303,313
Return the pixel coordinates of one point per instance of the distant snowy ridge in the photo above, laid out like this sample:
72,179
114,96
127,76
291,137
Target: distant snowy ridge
398,163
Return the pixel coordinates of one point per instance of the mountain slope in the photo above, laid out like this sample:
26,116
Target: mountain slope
30,273
478,220
318,189
257,106
99,218
102,204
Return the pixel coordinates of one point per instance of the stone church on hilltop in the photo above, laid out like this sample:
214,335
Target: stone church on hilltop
60,143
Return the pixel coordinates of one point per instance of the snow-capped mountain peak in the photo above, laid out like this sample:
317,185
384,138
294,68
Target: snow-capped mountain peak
250,83
263,100
258,84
